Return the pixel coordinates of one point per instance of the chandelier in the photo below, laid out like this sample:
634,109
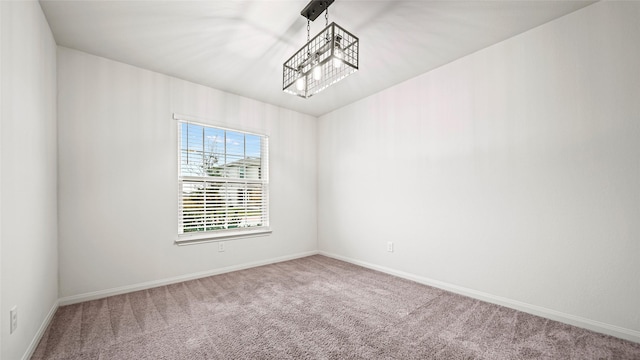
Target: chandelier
324,60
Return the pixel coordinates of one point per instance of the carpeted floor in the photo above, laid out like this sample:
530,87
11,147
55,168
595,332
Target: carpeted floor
311,308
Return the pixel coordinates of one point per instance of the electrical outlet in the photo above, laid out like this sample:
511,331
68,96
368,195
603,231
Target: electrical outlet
390,246
14,319
221,246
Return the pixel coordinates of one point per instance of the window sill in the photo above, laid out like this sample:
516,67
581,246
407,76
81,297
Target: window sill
223,235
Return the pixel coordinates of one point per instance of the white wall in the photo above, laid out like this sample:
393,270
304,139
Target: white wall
28,148
2,320
118,183
513,172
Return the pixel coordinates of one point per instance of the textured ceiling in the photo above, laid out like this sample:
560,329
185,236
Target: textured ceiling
239,46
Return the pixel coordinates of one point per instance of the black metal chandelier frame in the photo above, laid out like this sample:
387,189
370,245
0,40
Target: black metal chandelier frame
327,58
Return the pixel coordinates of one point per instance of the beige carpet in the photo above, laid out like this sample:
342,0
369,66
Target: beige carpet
311,308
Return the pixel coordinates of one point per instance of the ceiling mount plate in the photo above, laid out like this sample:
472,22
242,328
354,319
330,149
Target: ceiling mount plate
315,8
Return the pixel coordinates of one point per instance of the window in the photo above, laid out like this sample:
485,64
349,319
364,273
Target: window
224,182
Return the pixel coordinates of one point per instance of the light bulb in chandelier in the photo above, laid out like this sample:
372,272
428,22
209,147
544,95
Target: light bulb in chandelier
300,83
338,53
337,59
317,72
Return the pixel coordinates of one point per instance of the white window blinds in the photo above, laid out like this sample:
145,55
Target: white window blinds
223,180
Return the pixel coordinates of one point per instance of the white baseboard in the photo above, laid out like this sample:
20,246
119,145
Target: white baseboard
43,327
597,326
155,283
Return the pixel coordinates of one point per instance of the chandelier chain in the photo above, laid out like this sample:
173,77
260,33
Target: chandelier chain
308,29
326,17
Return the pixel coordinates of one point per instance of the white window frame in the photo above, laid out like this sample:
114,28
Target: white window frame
194,237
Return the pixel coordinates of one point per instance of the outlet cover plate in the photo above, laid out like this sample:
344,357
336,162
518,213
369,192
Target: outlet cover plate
14,319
